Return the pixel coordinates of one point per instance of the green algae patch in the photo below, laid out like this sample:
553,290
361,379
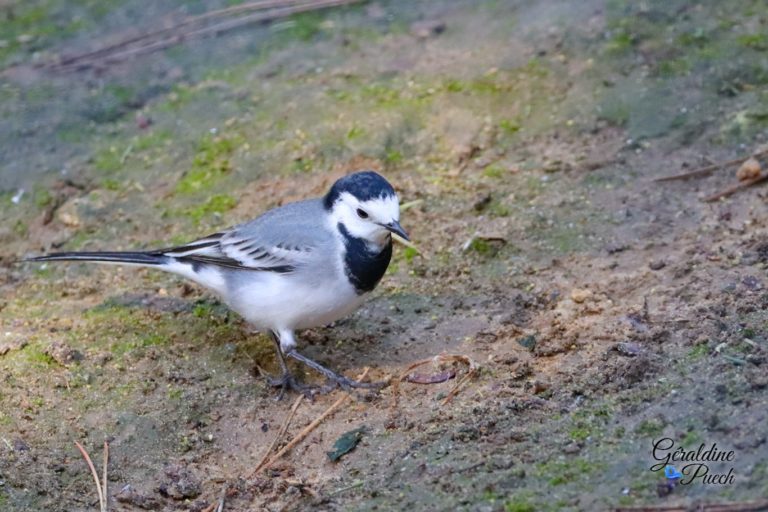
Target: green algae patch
108,160
212,161
213,206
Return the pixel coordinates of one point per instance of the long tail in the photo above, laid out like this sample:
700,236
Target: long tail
199,261
131,258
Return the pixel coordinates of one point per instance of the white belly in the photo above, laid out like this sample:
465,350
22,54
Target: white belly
278,301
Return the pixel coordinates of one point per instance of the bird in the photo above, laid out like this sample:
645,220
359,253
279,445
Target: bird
301,265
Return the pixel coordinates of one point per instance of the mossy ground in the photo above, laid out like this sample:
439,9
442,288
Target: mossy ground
528,132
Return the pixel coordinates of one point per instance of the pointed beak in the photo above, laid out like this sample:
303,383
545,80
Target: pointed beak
397,229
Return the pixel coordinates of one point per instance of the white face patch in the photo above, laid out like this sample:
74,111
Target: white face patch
379,211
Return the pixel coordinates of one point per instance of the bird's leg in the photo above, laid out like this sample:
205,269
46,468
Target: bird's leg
287,380
338,380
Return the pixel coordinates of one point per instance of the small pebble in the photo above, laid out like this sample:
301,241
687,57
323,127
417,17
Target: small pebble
63,353
749,170
427,28
580,295
628,349
572,448
528,342
539,386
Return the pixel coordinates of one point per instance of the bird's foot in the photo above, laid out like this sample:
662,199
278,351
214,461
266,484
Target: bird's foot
348,384
288,381
336,380
356,388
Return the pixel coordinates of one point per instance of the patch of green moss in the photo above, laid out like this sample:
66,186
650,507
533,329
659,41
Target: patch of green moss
696,38
564,239
580,433
485,85
35,354
691,439
393,157
355,133
302,165
453,85
481,246
626,500
673,67
185,444
744,123
754,41
152,139
129,342
209,309
759,474
519,505
339,94
42,197
382,95
212,161
494,170
650,428
358,37
180,95
110,184
304,26
698,352
108,160
28,25
20,228
110,103
509,127
5,419
499,209
71,132
214,205
620,41
79,239
614,109
627,28
409,253
565,471
589,422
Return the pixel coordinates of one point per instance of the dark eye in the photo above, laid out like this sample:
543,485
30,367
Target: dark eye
362,213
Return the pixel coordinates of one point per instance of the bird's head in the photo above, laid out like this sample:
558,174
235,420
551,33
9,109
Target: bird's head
367,205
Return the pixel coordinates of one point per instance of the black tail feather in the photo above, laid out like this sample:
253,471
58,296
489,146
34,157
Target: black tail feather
135,258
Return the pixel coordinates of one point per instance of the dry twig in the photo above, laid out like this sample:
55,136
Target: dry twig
189,29
216,506
102,492
708,169
279,435
735,188
745,506
104,474
307,430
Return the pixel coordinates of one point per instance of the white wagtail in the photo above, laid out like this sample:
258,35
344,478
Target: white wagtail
302,265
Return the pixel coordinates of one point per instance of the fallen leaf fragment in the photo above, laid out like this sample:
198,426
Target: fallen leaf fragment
346,443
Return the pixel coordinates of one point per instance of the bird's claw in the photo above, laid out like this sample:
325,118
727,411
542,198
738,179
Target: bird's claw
289,381
353,387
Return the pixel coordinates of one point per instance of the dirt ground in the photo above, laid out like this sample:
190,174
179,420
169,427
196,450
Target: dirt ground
605,310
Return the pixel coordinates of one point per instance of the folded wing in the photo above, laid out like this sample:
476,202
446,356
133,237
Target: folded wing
280,241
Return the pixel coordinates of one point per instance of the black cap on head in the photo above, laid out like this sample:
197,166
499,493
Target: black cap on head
363,185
